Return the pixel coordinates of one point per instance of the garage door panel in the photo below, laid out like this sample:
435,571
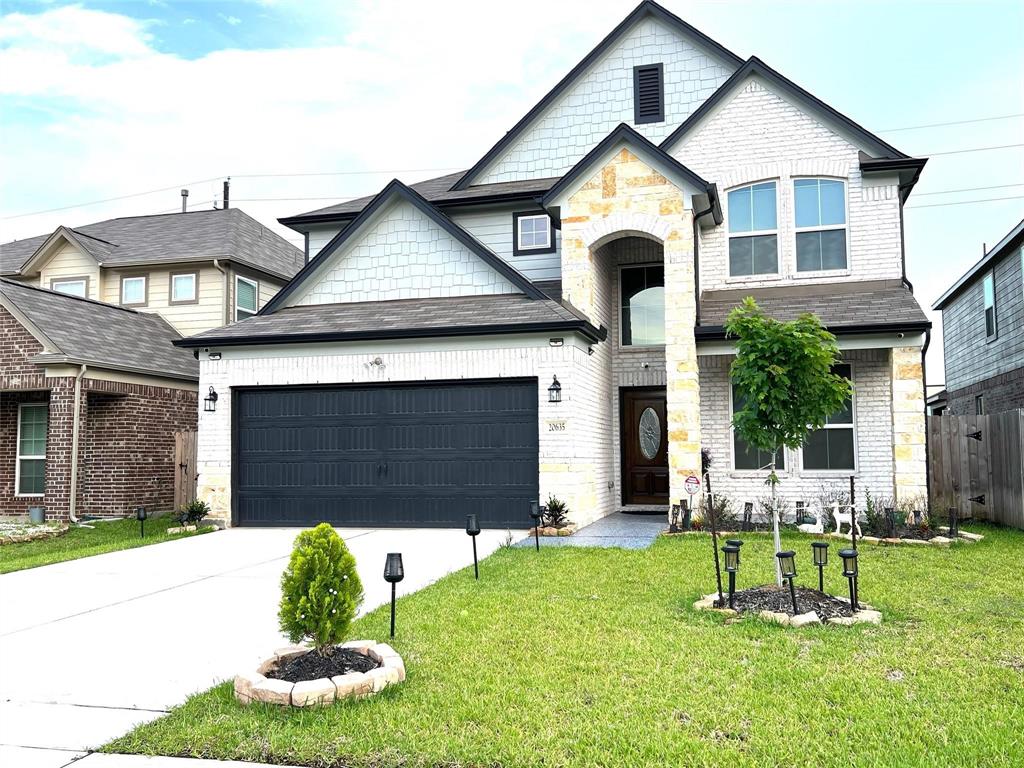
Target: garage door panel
387,454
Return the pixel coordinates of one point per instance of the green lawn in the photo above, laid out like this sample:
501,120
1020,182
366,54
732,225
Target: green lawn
589,657
83,542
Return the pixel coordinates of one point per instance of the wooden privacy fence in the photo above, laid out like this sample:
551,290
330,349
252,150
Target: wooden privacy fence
974,456
185,475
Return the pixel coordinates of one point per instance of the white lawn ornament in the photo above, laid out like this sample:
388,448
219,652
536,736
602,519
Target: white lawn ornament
848,518
818,526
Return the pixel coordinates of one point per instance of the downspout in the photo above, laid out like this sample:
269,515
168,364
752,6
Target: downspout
903,246
696,256
927,446
224,291
75,423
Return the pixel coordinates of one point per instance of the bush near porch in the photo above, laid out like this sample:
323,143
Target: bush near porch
594,657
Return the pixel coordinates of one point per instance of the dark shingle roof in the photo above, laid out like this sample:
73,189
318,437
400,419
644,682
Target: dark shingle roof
855,304
84,331
437,191
166,238
1013,239
403,318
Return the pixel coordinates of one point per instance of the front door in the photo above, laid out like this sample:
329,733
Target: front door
644,437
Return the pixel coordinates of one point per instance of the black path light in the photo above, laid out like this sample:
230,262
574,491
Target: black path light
850,572
393,573
536,514
735,543
140,515
820,549
787,565
732,565
473,529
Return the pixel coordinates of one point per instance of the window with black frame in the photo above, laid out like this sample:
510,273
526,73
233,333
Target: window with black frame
833,447
746,456
643,305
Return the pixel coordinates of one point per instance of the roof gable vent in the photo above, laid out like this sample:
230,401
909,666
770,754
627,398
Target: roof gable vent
648,94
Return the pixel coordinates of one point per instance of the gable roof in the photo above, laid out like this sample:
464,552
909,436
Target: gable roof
228,234
396,189
645,9
628,134
77,330
1014,239
754,66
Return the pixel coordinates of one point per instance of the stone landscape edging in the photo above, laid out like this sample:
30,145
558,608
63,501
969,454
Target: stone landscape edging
257,687
548,530
865,615
45,532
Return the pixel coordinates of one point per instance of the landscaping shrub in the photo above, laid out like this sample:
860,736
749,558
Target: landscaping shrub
320,589
723,509
556,513
193,512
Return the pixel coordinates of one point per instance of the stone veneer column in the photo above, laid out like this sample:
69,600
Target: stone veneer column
908,422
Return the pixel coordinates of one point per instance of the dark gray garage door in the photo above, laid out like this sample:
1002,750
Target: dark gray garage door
403,455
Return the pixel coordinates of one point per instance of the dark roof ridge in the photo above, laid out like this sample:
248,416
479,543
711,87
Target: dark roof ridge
995,252
91,237
50,291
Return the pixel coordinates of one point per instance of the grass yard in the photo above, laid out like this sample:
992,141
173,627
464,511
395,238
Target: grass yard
594,657
83,542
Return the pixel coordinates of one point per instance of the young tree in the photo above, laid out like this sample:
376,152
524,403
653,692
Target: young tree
783,374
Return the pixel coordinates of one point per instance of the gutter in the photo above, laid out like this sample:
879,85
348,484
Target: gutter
75,424
717,332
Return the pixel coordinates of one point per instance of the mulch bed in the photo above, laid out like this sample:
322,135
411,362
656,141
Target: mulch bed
771,598
313,666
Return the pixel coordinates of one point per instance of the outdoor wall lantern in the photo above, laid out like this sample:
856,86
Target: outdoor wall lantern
536,514
850,572
140,515
787,565
473,530
732,564
210,401
555,391
820,549
393,573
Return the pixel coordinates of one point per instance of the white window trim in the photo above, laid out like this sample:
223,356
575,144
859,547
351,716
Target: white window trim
619,307
519,232
78,281
256,288
730,277
817,273
145,287
195,286
852,425
18,455
787,455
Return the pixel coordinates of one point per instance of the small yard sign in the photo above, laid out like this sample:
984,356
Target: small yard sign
692,485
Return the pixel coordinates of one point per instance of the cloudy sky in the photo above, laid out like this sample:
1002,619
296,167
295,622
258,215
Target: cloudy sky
306,102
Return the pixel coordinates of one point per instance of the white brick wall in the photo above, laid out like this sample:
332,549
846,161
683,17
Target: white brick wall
401,255
603,98
873,424
758,136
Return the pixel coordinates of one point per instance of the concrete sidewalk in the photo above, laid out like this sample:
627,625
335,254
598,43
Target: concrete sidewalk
92,647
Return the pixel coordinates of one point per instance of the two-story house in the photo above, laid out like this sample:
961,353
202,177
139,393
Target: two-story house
550,320
92,388
983,332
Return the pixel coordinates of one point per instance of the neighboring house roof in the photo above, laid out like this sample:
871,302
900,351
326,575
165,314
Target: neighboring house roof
754,66
227,234
76,330
401,319
1013,239
437,191
646,8
396,189
863,306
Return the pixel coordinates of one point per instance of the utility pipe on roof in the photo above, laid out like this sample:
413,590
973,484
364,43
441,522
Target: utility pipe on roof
224,292
75,422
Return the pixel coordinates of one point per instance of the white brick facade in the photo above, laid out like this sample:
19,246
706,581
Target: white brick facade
403,254
588,111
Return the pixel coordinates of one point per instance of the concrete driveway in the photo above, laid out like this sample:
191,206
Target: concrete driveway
92,647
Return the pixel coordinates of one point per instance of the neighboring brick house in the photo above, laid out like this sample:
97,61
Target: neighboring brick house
133,389
550,321
983,332
199,270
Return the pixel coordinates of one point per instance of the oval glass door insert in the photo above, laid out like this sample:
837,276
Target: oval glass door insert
650,433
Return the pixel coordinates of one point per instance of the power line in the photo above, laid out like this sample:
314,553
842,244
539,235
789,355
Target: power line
973,149
337,173
954,122
110,199
967,189
967,202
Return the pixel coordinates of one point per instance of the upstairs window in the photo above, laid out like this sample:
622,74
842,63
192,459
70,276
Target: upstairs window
831,448
648,94
183,288
75,286
643,305
246,297
746,456
989,286
532,233
753,230
133,291
820,206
